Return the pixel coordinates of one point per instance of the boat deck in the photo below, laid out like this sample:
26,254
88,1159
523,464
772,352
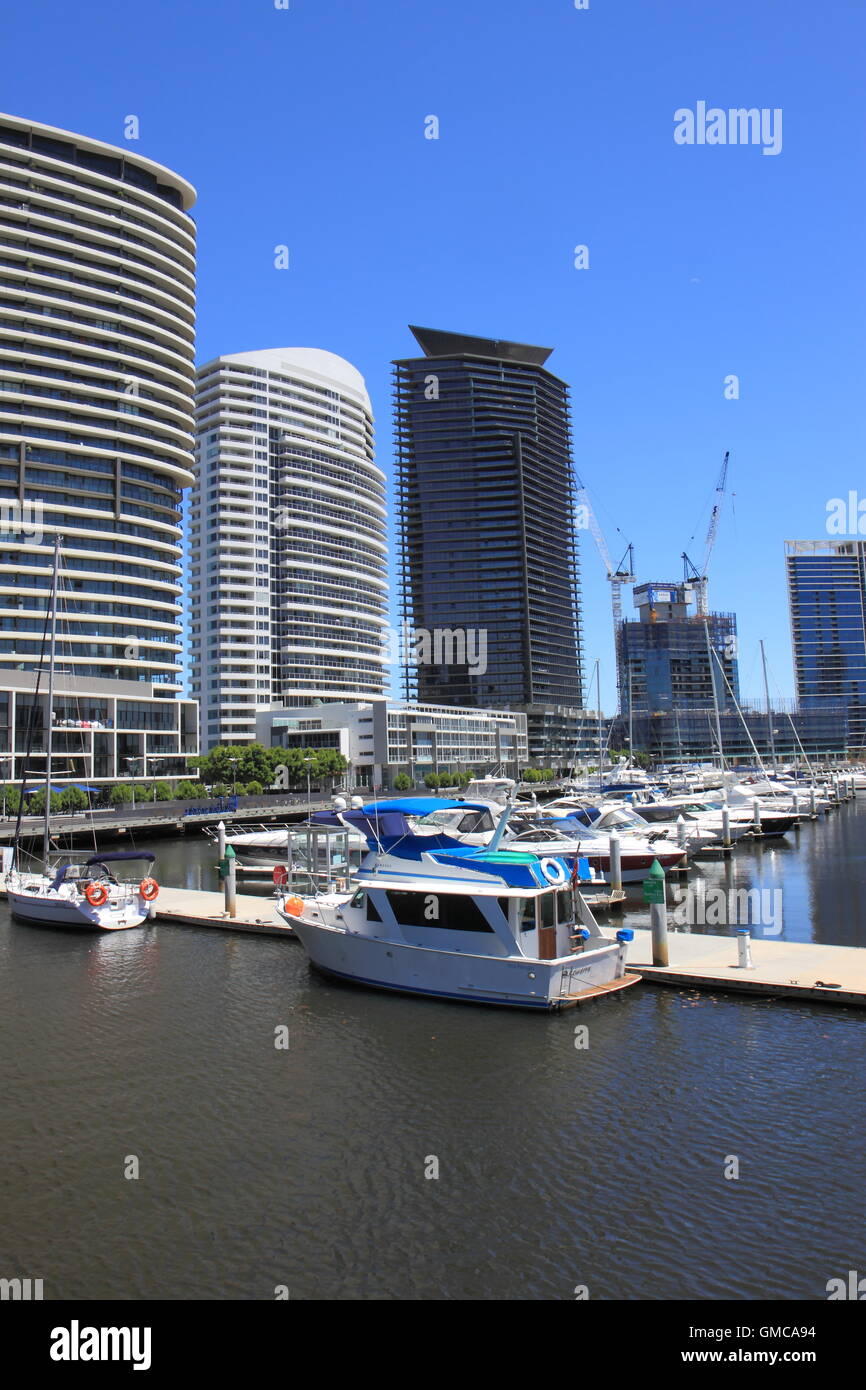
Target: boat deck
784,969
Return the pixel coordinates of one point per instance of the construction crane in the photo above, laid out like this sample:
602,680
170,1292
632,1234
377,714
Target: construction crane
690,570
616,576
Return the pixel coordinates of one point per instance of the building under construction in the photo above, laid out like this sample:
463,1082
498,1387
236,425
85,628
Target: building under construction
673,657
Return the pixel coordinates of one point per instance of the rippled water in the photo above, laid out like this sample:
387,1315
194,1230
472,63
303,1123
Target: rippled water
557,1166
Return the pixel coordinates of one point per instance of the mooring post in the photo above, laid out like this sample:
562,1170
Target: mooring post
726,826
654,894
744,937
231,893
221,839
756,816
682,837
615,863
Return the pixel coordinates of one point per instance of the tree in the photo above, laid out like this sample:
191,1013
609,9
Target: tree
187,791
431,780
73,799
254,789
402,782
13,799
547,774
531,774
121,794
164,791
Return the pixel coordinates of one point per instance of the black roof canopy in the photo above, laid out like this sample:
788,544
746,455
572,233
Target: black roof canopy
436,342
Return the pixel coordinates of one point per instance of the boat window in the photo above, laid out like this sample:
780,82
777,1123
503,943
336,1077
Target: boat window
359,899
547,909
450,911
565,904
473,822
372,911
526,913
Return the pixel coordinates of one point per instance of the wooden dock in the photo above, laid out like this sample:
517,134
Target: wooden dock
781,969
189,907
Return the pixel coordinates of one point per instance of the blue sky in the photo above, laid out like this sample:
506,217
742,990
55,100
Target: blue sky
305,127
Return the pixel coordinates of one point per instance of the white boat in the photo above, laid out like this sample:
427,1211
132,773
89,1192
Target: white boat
83,896
543,832
431,916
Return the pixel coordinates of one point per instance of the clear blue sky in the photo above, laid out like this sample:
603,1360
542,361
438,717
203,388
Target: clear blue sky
305,127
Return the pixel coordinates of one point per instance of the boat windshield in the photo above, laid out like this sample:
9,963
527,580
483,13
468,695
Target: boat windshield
621,817
570,829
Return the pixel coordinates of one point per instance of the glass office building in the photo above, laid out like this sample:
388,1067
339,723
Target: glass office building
827,598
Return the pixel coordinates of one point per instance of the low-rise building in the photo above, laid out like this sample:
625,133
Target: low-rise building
382,738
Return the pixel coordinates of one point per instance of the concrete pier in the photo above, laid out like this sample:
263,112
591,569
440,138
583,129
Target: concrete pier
188,907
782,969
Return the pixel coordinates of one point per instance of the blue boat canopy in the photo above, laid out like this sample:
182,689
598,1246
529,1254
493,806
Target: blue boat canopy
420,805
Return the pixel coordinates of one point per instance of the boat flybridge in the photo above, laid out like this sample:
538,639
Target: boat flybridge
430,915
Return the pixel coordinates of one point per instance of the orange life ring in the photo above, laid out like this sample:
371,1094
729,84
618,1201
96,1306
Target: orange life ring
148,888
294,906
96,894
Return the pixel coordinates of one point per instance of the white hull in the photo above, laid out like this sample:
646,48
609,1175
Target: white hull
514,981
54,910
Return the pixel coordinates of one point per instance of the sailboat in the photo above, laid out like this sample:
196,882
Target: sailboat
78,895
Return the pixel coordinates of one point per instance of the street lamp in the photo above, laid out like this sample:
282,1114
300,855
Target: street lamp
308,762
234,763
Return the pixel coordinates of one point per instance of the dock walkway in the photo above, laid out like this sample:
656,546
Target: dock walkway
189,907
784,969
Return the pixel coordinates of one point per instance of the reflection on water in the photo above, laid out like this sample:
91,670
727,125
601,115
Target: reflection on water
557,1166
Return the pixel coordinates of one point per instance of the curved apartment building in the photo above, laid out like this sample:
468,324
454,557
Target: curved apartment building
97,305
287,538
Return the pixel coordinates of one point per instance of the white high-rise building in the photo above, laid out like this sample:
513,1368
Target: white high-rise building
287,539
96,416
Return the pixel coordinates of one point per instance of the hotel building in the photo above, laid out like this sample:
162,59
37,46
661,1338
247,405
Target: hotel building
97,305
287,539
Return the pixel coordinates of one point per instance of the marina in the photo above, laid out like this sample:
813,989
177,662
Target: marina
166,1037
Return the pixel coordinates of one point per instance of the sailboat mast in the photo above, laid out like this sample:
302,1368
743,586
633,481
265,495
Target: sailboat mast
46,834
598,697
769,715
715,694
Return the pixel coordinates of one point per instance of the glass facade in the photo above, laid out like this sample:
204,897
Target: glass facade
487,538
827,597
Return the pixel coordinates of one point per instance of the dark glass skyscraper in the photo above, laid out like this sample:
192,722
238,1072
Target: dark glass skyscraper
487,521
827,597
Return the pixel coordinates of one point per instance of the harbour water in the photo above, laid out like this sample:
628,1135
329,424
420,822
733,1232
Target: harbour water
559,1166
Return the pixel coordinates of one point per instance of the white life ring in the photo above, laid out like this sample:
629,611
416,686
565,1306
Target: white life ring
553,871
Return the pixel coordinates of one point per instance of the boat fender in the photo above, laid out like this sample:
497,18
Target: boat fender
294,906
96,894
148,888
553,871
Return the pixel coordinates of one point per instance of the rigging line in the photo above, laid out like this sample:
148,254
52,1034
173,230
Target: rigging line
31,723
